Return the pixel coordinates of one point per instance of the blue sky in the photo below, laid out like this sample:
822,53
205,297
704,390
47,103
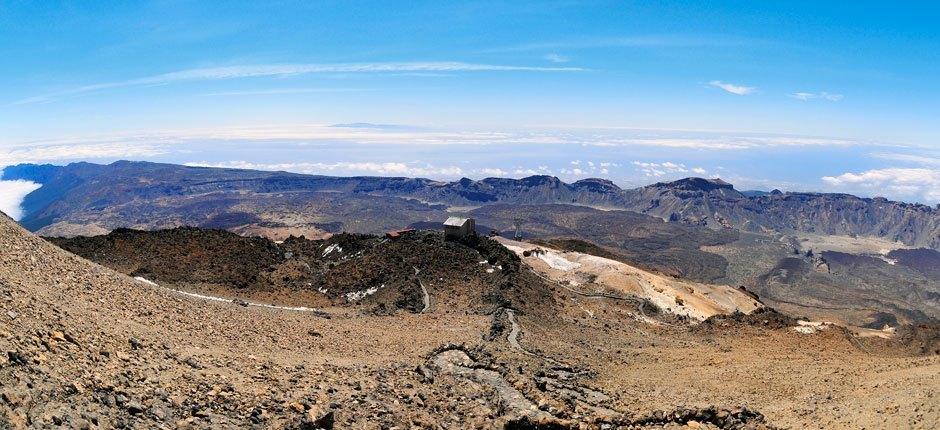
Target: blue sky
821,96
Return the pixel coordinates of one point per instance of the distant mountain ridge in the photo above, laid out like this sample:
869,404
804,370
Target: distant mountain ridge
86,187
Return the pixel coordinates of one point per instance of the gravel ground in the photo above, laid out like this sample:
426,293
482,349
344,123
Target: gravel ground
86,347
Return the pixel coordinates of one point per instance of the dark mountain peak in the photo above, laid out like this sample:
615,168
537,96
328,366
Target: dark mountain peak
541,180
596,185
465,182
696,184
39,173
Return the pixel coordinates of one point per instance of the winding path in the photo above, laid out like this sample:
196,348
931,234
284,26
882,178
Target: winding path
424,291
513,337
225,300
425,296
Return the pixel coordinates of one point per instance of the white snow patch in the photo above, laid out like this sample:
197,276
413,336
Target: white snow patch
558,262
356,296
890,261
334,247
146,281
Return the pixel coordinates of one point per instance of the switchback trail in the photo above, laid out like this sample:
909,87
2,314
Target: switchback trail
513,339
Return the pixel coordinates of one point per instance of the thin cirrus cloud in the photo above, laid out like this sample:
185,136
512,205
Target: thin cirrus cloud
909,158
804,96
740,90
282,91
646,41
286,70
556,58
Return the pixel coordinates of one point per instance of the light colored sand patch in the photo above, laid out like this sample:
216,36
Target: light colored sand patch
848,244
603,276
810,327
556,261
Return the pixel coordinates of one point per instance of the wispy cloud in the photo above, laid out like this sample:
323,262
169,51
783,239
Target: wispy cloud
374,126
275,91
555,58
910,158
285,70
645,41
740,90
804,96
916,183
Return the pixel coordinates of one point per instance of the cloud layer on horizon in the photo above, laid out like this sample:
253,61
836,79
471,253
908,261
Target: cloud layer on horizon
919,183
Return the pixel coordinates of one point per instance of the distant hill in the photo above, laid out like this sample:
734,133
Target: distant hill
127,194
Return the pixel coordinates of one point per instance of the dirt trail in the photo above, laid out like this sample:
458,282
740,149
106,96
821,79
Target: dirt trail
513,337
233,301
514,404
425,297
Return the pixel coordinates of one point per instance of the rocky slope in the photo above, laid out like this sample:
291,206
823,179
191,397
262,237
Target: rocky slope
120,194
86,347
372,273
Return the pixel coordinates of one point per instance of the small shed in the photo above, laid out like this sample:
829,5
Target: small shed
458,228
395,234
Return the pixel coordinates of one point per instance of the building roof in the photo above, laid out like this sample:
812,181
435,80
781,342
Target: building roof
455,221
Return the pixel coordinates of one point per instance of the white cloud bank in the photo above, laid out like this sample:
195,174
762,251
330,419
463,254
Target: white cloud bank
656,170
12,194
79,151
740,90
343,167
144,144
908,183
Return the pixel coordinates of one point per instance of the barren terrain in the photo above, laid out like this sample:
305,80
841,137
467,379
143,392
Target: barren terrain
87,347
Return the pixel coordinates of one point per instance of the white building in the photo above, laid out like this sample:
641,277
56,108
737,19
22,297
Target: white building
458,228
